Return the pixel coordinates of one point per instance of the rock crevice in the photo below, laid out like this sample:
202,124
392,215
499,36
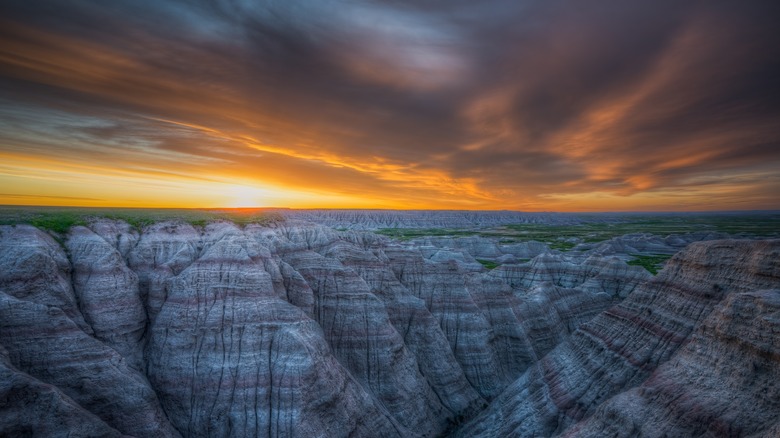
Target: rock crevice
296,329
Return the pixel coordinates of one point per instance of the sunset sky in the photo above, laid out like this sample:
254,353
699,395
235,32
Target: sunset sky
459,104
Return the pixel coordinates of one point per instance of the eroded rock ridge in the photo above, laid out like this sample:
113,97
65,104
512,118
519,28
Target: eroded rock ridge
297,329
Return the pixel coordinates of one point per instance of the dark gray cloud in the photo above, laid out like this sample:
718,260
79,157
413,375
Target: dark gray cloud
534,100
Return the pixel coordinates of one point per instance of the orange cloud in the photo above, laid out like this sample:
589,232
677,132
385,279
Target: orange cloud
621,107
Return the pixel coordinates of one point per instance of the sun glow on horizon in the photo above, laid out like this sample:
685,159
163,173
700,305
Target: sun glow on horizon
102,107
244,197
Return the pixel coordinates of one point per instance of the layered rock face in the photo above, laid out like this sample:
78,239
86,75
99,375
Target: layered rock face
723,382
622,347
34,408
52,353
230,358
296,329
107,293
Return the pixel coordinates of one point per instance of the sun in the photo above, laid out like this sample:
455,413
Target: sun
243,197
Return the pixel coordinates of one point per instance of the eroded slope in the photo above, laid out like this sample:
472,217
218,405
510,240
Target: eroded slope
295,329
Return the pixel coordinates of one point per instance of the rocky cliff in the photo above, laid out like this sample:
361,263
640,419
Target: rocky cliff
612,364
296,329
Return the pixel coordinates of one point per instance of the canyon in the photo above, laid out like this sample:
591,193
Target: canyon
314,325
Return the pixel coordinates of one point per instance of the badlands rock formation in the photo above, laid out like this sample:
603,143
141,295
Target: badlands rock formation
296,329
374,219
621,347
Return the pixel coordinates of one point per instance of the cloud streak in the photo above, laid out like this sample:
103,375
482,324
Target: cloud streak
539,105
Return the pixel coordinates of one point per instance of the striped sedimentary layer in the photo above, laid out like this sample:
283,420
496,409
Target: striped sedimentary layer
296,329
722,382
623,347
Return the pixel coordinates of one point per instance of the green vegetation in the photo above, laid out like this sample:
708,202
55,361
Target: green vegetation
488,264
600,228
59,223
596,228
412,233
652,262
60,219
561,245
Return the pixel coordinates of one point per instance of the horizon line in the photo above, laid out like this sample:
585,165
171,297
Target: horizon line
23,206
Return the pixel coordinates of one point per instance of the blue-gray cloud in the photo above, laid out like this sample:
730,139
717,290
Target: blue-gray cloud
532,97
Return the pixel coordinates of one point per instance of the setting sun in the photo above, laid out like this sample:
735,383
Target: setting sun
381,105
389,218
243,197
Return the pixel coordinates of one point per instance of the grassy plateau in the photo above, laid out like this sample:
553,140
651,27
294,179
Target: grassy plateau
60,219
598,228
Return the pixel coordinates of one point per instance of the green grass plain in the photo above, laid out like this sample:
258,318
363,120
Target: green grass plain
413,233
596,228
488,264
593,228
652,262
60,219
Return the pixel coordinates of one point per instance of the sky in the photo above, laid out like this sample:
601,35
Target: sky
532,105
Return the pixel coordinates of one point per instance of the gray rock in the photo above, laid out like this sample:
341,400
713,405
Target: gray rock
622,346
29,407
723,381
229,358
297,329
108,295
121,235
163,251
44,343
34,267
